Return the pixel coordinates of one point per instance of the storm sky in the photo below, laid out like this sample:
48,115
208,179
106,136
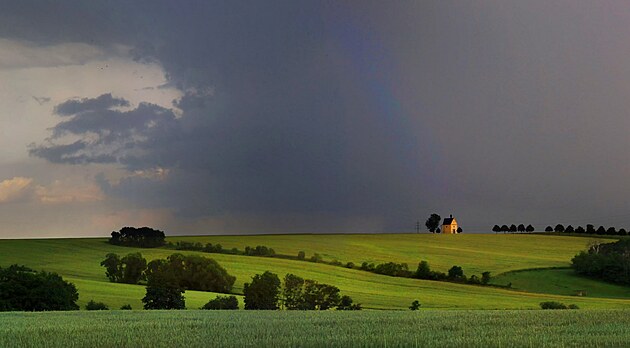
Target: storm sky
211,117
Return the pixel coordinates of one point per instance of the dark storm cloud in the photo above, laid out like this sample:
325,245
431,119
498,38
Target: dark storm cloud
495,111
107,135
105,101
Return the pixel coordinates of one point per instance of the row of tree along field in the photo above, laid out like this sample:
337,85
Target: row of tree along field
590,229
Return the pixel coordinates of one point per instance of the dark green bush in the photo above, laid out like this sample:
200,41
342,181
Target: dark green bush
222,302
415,305
96,306
553,305
126,307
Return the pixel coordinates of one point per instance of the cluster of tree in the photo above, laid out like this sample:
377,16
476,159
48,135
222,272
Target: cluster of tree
389,268
610,262
557,305
143,237
192,272
590,229
23,289
455,274
513,228
259,250
167,279
222,302
265,292
130,269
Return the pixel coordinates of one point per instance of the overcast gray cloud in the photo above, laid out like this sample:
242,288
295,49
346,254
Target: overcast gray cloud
495,111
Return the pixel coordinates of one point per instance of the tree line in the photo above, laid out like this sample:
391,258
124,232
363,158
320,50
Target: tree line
590,229
454,274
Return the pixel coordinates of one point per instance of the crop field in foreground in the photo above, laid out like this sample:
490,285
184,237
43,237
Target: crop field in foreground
424,328
77,260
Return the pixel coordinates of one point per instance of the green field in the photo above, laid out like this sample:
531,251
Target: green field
78,261
427,328
562,281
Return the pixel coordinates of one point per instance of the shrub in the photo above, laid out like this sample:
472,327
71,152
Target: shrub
553,305
126,307
456,273
259,250
415,305
336,262
96,306
301,255
350,265
345,304
164,297
316,258
485,277
222,302
573,306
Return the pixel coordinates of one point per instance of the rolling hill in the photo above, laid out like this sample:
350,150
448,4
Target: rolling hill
78,261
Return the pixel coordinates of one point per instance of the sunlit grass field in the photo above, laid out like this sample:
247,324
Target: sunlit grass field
424,328
78,261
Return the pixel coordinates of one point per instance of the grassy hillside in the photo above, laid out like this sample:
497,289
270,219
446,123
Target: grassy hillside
428,328
561,282
78,260
476,253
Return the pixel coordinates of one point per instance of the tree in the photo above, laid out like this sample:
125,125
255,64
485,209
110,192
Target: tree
622,232
548,229
601,230
163,287
164,298
580,229
496,229
438,230
222,302
590,229
456,273
263,292
133,266
23,289
424,271
301,255
521,228
512,228
505,228
113,267
415,305
459,230
559,228
293,292
529,229
319,296
611,231
569,229
433,222
485,277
